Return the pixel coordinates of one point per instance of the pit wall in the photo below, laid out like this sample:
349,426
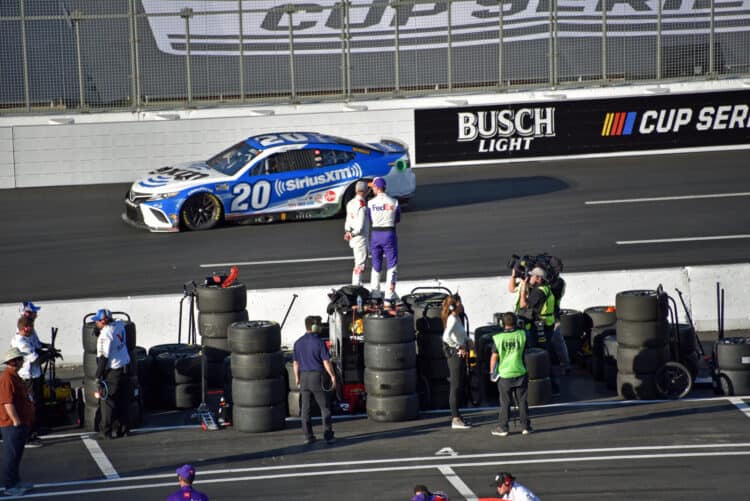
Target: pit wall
156,317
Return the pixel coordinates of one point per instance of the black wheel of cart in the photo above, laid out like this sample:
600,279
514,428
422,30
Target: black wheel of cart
673,380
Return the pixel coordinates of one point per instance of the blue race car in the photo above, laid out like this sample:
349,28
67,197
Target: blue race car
267,178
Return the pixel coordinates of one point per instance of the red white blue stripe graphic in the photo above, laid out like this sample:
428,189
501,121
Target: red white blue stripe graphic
619,123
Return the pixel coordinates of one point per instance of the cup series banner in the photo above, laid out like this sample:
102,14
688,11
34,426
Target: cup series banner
541,129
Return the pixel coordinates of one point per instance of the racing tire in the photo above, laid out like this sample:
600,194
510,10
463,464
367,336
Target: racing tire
636,386
216,349
179,396
258,365
89,365
632,360
90,334
571,323
688,340
430,345
649,334
733,382
390,356
390,383
638,306
259,419
172,348
215,325
673,380
201,211
433,368
418,301
175,368
388,330
610,374
214,299
598,316
440,394
254,336
429,325
610,349
393,409
143,370
294,404
258,392
537,363
540,391
91,417
733,353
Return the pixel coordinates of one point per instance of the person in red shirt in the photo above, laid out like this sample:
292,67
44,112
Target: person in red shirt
16,418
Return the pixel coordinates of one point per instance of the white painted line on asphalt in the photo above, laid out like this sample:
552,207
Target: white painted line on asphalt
686,239
386,469
281,261
457,483
100,458
667,199
741,405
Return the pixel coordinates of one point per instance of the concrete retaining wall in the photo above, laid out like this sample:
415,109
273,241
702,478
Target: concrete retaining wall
156,317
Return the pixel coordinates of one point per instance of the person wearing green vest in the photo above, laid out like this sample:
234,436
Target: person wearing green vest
508,369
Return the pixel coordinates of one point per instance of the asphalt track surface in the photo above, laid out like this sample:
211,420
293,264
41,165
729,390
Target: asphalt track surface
69,242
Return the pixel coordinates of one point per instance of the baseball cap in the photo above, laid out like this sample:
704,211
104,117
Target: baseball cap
12,354
29,306
538,272
101,314
501,477
379,182
361,186
187,472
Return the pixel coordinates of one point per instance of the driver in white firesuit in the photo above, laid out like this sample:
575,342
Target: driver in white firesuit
384,213
112,361
356,227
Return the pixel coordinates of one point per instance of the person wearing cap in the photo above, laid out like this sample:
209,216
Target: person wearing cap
509,488
507,368
310,359
16,418
538,303
112,361
356,229
421,493
186,476
384,213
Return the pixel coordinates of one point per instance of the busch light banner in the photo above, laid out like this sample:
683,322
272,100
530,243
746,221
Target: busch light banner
582,127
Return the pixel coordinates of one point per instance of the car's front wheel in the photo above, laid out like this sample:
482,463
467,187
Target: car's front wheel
202,211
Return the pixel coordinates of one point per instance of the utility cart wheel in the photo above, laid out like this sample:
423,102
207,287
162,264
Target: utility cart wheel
673,380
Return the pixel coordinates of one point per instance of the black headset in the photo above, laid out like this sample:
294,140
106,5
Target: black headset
505,478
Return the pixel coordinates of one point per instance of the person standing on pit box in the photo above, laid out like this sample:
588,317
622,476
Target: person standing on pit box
384,213
311,358
356,228
112,361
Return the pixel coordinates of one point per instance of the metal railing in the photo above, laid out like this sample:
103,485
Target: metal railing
143,54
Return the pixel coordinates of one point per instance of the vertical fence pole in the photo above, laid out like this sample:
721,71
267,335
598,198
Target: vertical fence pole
242,52
342,12
25,55
658,39
551,45
186,14
450,45
348,35
131,45
396,61
76,17
136,57
290,9
500,43
605,7
712,41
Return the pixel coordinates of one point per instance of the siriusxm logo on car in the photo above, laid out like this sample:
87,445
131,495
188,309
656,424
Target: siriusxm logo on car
506,129
672,120
354,171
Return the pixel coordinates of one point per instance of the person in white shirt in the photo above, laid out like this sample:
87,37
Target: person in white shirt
456,344
509,488
27,341
356,227
384,213
112,361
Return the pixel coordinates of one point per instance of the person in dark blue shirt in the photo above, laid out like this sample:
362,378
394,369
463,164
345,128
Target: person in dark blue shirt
186,475
310,360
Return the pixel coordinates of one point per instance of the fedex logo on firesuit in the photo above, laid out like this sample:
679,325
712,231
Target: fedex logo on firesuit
506,129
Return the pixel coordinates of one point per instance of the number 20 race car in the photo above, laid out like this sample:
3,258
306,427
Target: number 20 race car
267,178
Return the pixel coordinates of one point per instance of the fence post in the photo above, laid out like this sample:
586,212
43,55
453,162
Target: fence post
712,41
605,7
396,60
500,43
291,9
132,35
552,43
658,39
186,14
242,52
449,61
75,18
346,53
25,55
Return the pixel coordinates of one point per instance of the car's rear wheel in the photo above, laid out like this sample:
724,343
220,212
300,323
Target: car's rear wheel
201,212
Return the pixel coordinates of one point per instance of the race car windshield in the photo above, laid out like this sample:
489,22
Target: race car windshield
233,159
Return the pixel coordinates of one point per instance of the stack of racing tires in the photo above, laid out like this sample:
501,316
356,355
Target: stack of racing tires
390,367
175,376
538,367
599,322
218,308
89,339
642,343
732,357
483,343
259,389
572,329
432,365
